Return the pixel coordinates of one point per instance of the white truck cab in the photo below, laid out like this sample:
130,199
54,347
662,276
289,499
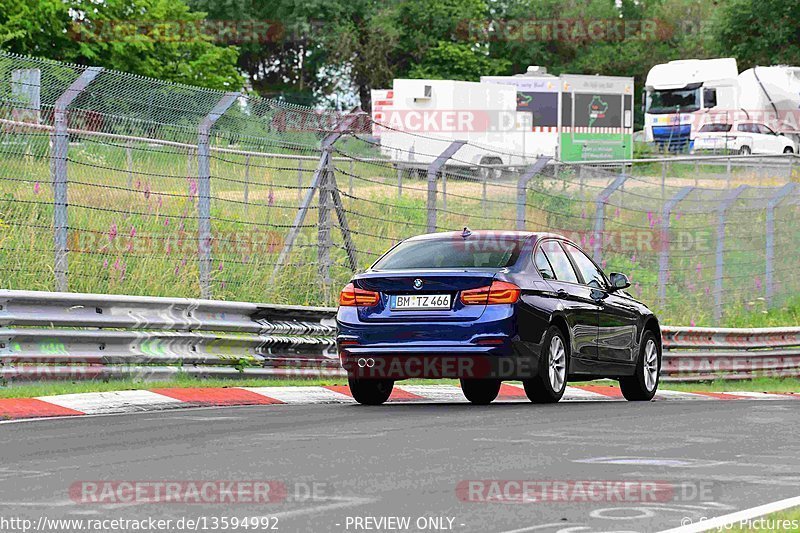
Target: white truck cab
680,95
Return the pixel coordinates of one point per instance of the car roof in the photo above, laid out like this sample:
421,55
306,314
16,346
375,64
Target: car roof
493,234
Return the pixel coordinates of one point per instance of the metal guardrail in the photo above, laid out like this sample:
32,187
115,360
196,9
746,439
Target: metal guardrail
70,336
50,335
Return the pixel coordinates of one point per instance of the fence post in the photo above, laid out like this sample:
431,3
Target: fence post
728,173
129,159
782,193
399,182
663,180
444,189
350,184
319,175
485,181
600,215
204,190
58,159
246,181
324,226
720,256
663,259
433,170
299,179
522,188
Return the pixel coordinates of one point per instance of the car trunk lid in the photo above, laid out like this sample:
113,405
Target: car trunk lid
391,284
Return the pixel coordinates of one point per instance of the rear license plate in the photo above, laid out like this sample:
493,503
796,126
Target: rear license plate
420,301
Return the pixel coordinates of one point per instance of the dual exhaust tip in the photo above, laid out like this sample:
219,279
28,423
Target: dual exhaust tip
366,362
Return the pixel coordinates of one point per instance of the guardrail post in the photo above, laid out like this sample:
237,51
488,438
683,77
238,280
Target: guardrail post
433,170
720,256
204,190
600,215
522,188
663,259
58,159
782,193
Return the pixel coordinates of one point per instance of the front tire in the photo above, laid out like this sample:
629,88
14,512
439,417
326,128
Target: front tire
370,391
642,386
551,380
745,150
480,391
788,150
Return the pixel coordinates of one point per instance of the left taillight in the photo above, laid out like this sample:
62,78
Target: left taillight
500,292
352,296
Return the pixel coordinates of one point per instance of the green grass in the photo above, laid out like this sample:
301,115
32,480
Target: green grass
721,385
53,388
788,520
136,234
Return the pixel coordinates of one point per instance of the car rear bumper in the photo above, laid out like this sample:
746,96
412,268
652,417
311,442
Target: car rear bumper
511,361
489,347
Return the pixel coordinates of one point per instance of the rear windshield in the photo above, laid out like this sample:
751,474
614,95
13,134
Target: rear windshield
472,252
716,128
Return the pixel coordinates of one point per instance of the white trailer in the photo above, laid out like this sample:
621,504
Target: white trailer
509,120
771,96
426,116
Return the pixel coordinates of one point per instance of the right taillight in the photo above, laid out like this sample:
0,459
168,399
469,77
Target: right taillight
500,292
352,296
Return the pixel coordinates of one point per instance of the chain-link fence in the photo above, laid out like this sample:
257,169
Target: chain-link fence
112,183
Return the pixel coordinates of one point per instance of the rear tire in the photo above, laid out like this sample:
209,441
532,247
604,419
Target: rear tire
551,380
788,150
642,386
745,150
370,391
480,391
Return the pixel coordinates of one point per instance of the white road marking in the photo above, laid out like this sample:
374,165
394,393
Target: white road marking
734,518
301,394
573,394
437,393
112,402
650,461
344,502
664,394
540,526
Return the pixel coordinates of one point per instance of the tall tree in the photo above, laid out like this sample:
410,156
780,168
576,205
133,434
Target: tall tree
158,38
758,32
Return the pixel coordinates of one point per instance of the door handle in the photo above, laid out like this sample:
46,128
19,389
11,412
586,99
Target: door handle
561,293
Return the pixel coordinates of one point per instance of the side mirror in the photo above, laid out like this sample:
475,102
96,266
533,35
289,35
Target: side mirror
619,281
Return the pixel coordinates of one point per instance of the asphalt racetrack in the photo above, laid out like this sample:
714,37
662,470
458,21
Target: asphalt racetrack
351,468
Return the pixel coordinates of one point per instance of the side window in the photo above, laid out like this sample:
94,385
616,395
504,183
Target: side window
592,275
744,128
562,268
543,265
764,130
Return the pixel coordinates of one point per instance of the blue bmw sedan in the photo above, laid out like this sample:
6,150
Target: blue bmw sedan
489,306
